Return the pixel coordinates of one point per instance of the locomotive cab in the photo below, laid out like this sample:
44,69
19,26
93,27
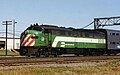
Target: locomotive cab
31,40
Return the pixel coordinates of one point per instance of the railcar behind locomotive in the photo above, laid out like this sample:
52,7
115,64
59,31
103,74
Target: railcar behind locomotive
47,40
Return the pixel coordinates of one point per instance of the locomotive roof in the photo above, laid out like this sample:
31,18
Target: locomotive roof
63,28
54,27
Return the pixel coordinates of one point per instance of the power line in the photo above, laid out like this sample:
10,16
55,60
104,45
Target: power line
88,25
9,33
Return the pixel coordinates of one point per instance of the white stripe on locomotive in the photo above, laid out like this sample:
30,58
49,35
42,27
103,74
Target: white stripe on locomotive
72,39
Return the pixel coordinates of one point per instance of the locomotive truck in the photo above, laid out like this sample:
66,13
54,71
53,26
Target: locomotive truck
47,40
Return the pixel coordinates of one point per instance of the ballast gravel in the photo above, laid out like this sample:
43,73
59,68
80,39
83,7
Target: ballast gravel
55,65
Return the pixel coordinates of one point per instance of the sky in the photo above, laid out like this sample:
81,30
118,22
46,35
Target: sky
65,13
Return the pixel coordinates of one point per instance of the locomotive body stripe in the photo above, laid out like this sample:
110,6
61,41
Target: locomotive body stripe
28,41
23,37
31,43
73,39
26,44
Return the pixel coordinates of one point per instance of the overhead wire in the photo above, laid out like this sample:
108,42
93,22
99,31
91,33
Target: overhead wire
87,25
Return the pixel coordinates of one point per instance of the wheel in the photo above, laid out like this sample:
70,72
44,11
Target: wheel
37,54
23,51
28,56
115,53
55,55
77,54
108,54
46,54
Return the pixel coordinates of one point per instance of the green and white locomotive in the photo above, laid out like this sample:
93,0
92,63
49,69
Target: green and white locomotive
47,40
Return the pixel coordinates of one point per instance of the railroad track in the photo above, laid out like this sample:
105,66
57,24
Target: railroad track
16,61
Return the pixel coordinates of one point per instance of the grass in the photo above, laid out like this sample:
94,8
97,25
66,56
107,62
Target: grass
112,68
9,52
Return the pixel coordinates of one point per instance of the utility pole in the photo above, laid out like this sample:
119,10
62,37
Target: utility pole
14,33
6,23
